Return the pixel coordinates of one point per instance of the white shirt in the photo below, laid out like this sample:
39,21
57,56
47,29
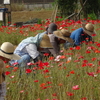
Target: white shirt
31,49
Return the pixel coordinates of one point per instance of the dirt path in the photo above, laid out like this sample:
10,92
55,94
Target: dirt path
23,16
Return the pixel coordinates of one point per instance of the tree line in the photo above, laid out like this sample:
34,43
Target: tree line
85,8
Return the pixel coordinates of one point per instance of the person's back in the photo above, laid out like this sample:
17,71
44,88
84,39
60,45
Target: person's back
29,49
76,36
82,34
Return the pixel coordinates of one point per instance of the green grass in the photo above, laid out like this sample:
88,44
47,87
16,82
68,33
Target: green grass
55,80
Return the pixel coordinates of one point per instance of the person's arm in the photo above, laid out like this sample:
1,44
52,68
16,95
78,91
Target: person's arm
77,40
56,48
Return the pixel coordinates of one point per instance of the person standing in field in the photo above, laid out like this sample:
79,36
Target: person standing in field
85,33
6,54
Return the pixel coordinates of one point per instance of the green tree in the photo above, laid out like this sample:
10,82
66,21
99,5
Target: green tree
67,7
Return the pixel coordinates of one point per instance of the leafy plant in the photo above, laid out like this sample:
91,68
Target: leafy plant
92,16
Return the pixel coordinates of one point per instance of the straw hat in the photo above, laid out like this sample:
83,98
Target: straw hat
2,65
7,49
89,28
63,34
45,42
52,27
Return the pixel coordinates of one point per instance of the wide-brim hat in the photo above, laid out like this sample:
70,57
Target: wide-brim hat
2,66
89,28
45,42
7,51
52,27
63,34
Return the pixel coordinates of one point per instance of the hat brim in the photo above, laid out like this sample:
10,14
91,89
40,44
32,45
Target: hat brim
59,35
10,56
88,32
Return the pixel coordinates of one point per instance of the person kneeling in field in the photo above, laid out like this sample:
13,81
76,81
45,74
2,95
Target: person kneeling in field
56,38
6,54
80,35
29,49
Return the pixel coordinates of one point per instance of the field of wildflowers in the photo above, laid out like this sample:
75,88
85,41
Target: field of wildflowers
75,75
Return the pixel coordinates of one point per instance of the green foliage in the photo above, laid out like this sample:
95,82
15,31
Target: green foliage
92,16
66,7
39,21
1,23
92,6
53,79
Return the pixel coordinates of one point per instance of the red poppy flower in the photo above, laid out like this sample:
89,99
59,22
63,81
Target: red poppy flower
84,98
93,34
84,64
36,80
93,59
46,54
54,94
62,57
87,51
98,71
77,47
72,72
49,82
90,74
28,71
70,93
51,58
7,73
46,71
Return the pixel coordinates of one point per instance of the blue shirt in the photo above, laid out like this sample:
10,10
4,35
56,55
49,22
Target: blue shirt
78,36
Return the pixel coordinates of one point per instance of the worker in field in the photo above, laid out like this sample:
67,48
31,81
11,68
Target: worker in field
29,49
81,35
6,54
57,37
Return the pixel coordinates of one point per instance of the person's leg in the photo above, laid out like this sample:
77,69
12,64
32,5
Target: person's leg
22,63
3,91
67,45
24,60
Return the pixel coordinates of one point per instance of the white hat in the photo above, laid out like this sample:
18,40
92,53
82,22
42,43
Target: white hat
7,49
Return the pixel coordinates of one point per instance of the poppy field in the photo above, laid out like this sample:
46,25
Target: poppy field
73,75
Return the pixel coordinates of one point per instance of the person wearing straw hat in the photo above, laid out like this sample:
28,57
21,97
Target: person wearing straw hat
56,38
6,54
59,37
85,33
29,49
